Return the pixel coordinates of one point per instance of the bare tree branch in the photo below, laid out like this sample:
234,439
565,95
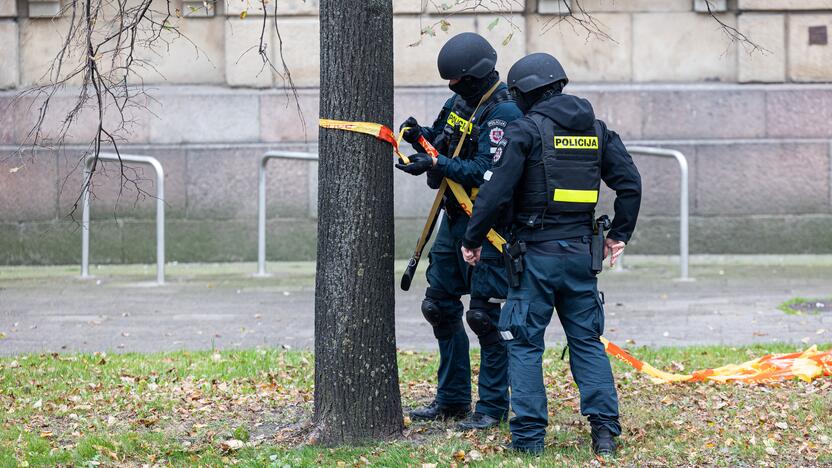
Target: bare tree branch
580,20
735,35
571,12
505,10
576,16
284,72
103,37
104,53
267,63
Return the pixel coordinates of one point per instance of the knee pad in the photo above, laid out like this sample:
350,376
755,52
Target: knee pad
442,328
431,311
480,322
435,309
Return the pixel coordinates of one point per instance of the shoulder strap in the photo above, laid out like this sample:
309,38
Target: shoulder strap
465,130
537,120
497,98
600,130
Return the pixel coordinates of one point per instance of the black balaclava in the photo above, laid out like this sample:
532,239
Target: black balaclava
525,101
471,89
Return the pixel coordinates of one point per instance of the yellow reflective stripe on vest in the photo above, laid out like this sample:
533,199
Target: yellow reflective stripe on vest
576,196
576,142
455,120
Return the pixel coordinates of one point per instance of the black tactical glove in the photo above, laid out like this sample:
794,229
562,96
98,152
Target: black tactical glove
435,177
412,134
419,164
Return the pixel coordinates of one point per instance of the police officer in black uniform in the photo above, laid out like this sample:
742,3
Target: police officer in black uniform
474,118
550,164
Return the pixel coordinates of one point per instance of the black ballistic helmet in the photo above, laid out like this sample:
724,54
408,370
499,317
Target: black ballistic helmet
535,71
466,54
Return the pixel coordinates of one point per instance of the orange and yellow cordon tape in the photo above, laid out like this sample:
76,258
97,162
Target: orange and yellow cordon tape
463,199
807,365
382,132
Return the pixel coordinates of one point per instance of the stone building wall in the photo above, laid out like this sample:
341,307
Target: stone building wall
755,127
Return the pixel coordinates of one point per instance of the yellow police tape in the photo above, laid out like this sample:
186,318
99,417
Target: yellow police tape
806,365
379,131
462,197
384,133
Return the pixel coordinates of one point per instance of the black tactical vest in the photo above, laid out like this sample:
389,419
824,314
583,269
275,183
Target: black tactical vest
565,177
458,117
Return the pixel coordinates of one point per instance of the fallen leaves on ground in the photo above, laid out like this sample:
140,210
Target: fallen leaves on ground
199,400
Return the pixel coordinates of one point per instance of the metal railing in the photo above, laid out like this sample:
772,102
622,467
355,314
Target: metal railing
160,210
683,200
261,201
642,150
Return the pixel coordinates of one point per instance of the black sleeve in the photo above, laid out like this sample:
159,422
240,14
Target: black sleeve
620,174
435,177
498,190
469,172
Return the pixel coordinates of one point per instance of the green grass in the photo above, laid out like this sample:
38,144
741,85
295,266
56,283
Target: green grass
788,306
179,408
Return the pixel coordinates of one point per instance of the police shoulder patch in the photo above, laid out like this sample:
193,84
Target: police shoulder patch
495,135
497,123
497,154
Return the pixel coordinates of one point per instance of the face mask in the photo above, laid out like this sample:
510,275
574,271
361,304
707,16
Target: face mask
523,101
467,88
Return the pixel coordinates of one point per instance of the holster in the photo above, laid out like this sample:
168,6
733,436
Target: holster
513,258
596,247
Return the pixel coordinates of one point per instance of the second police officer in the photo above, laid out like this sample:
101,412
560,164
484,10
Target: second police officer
549,166
474,118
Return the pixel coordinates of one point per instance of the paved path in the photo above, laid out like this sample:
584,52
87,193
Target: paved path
733,301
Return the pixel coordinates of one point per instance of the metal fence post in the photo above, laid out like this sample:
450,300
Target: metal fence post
261,218
160,210
683,201
261,201
85,224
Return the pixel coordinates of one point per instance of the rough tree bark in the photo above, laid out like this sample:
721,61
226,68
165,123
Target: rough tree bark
356,376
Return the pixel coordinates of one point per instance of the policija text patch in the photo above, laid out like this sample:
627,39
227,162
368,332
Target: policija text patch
454,120
576,142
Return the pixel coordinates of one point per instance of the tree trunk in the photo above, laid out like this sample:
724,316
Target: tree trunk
356,375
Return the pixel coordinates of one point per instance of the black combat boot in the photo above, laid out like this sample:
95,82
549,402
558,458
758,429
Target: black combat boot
436,411
478,421
603,443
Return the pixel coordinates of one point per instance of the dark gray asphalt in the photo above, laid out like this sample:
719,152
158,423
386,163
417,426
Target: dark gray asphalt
733,301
